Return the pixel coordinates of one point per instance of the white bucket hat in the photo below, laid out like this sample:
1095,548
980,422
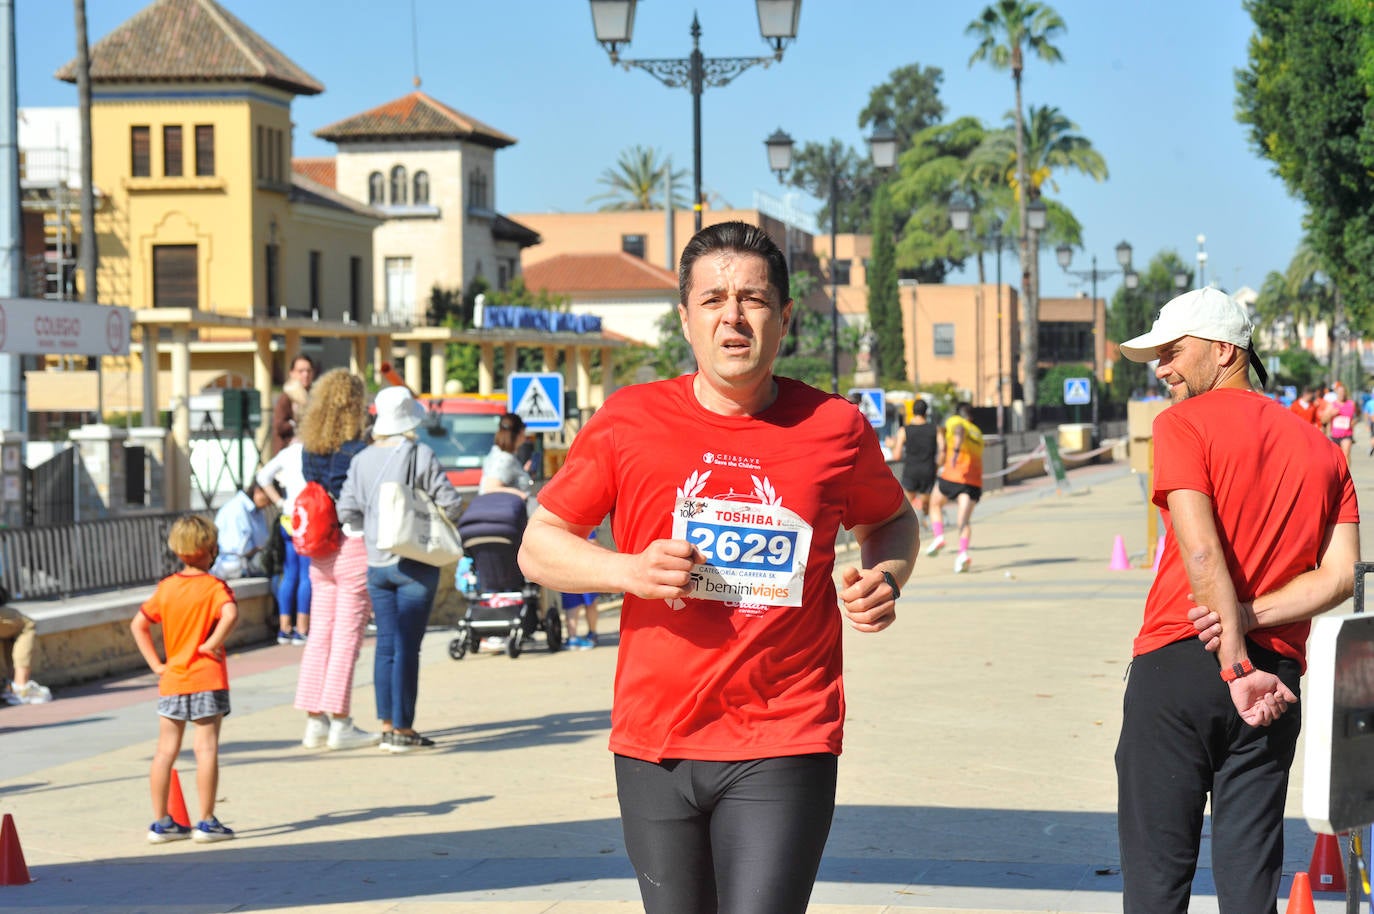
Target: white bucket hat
397,412
1208,314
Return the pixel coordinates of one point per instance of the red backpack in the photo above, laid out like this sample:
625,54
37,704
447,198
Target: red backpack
315,530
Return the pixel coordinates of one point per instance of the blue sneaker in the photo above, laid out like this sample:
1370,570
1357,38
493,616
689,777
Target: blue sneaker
589,642
283,637
211,830
576,644
164,830
297,639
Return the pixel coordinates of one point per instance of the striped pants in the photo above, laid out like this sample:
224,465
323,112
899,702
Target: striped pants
339,610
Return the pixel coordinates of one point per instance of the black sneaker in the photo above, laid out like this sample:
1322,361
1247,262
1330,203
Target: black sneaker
406,742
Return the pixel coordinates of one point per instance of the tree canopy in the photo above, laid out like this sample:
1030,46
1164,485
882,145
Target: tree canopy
636,182
1306,96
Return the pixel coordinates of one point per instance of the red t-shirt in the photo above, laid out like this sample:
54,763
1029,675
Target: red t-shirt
1277,486
188,607
1309,413
727,679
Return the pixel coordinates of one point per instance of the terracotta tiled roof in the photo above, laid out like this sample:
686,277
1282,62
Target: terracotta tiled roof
304,190
321,170
414,117
190,40
618,272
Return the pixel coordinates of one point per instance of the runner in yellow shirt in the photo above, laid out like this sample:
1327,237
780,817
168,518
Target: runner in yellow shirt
960,481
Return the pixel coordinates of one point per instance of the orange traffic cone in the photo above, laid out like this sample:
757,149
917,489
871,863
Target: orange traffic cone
1326,869
176,803
1120,561
13,869
1300,896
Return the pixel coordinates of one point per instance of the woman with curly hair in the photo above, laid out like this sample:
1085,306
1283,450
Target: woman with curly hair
331,432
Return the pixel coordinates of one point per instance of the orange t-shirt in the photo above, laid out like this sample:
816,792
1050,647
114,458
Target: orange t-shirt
188,606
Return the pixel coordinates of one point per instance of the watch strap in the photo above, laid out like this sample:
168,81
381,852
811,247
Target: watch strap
892,582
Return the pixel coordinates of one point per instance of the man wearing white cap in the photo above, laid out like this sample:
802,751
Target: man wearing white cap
1263,534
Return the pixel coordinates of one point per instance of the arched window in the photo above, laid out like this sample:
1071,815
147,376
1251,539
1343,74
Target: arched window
421,188
376,189
398,186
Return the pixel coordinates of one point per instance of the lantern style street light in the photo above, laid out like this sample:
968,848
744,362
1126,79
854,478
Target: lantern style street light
613,21
882,148
961,220
1064,253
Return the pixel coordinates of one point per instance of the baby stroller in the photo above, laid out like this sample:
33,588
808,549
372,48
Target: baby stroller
505,604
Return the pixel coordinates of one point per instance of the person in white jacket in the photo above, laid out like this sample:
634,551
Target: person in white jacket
282,480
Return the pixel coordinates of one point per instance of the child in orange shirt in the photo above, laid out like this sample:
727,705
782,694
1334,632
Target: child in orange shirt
197,612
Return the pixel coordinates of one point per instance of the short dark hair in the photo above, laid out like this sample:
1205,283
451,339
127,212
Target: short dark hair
965,408
919,408
742,238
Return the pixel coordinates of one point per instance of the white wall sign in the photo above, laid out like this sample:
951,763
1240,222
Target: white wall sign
32,326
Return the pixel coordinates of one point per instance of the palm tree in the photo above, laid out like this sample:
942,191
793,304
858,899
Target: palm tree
636,182
1003,30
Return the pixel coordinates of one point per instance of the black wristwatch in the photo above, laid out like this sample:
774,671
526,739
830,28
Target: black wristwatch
892,582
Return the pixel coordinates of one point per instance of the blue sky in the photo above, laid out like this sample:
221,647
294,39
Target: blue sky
1150,82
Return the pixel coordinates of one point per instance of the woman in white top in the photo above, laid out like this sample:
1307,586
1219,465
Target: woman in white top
501,471
283,474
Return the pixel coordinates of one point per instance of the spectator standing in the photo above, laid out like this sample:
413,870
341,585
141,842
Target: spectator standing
501,469
242,527
1262,535
402,590
282,479
290,405
332,434
197,612
1308,407
728,711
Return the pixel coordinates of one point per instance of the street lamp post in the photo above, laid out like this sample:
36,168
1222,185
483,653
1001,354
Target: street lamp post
961,220
882,146
1123,257
1202,261
614,21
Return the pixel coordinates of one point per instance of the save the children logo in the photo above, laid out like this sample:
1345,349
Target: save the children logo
735,461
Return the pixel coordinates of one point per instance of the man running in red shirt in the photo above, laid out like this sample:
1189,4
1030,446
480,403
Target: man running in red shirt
726,488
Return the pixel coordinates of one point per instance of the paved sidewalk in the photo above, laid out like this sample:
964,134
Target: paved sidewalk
977,774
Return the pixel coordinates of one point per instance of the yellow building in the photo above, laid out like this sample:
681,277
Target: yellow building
191,132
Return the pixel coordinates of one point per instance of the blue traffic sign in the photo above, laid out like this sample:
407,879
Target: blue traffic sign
536,397
872,402
1077,391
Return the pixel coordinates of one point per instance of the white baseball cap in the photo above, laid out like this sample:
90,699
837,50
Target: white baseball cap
1208,314
397,412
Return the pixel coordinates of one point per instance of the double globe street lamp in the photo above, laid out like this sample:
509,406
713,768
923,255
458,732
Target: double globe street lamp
1064,253
614,22
882,147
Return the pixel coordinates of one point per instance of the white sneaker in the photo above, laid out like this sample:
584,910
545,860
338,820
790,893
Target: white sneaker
31,693
961,563
316,731
343,735
936,545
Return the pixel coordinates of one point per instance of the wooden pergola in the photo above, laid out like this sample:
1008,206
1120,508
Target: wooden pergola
181,325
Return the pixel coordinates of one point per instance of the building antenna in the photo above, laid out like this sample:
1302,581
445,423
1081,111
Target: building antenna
415,43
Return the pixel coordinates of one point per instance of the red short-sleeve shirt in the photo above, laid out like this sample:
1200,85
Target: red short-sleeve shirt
733,678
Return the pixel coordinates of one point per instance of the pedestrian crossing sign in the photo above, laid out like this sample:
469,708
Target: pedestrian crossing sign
536,397
1077,392
872,403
